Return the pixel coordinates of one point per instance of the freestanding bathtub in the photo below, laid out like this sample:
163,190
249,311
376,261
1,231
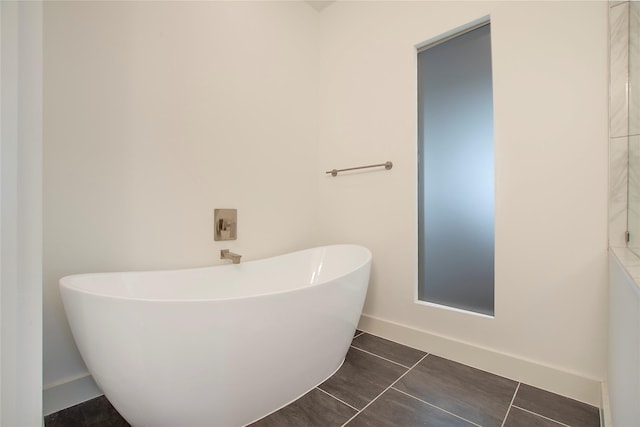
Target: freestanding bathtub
217,346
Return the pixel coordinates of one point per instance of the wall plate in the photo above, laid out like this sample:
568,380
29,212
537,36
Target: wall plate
225,224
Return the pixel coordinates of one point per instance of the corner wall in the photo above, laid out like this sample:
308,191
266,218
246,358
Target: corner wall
622,389
550,101
21,213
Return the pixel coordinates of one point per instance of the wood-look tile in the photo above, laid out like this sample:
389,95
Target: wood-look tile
475,395
520,418
393,351
315,408
100,412
394,409
361,378
96,412
556,407
449,388
70,417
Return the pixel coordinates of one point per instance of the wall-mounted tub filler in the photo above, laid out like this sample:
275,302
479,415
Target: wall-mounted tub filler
225,224
225,254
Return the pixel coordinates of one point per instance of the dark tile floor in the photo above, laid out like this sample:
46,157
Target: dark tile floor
382,383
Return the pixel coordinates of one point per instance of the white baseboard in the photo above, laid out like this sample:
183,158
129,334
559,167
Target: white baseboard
587,390
67,393
605,408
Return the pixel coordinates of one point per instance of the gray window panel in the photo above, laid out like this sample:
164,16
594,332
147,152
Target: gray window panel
456,173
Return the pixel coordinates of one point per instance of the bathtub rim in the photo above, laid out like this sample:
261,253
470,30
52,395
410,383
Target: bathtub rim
66,284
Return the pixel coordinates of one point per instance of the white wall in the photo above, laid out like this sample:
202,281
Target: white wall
550,101
21,214
156,113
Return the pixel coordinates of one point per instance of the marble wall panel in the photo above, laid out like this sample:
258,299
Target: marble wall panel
634,169
619,71
634,68
618,122
633,209
618,172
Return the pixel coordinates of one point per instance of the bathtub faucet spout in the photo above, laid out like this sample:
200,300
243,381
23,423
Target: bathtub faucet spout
225,254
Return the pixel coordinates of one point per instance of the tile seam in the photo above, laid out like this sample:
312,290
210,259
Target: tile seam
338,399
542,416
619,4
381,357
383,391
436,406
513,398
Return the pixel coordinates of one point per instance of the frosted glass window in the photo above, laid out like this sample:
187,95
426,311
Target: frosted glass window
456,173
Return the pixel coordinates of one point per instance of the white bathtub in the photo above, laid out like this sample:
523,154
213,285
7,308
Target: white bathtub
217,346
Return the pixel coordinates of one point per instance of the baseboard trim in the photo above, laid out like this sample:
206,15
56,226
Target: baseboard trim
69,392
605,409
587,390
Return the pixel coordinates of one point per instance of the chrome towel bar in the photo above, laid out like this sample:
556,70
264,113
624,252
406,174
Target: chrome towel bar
334,172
